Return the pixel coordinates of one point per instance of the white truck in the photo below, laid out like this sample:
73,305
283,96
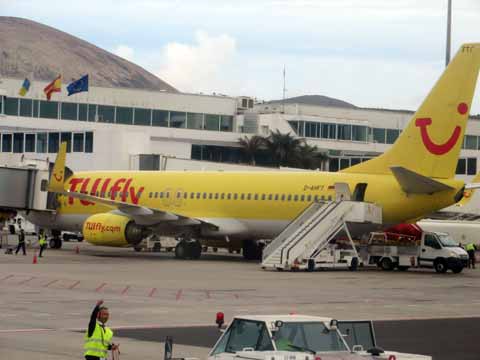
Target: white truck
426,249
300,337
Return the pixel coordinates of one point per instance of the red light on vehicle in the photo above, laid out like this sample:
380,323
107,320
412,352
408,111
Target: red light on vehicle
392,357
318,358
220,319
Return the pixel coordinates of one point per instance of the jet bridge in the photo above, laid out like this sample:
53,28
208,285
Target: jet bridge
307,235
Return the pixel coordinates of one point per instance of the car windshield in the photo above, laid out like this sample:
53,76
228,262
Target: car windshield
308,337
447,240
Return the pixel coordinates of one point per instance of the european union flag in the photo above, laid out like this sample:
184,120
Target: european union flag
78,85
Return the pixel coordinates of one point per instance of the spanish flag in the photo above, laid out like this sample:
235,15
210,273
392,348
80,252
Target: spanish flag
54,86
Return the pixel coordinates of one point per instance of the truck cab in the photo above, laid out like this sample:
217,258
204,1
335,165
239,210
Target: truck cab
300,337
440,251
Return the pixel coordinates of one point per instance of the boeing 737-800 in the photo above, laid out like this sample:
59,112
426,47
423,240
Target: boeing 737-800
415,177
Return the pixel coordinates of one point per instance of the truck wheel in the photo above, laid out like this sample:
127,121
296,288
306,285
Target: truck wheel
403,268
137,248
386,264
311,265
457,269
354,264
440,266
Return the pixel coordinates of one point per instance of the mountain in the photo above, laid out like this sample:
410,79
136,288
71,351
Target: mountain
316,100
28,47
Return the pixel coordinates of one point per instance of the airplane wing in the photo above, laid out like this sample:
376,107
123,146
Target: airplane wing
414,183
141,214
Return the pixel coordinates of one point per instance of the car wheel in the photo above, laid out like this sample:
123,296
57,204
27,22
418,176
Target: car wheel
386,264
440,266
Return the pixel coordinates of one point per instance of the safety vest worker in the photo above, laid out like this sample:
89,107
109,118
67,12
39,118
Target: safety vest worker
98,337
42,241
470,247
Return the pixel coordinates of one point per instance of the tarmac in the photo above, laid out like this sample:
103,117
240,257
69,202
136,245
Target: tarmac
45,307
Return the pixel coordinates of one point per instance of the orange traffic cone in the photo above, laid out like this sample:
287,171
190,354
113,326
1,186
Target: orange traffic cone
34,258
77,250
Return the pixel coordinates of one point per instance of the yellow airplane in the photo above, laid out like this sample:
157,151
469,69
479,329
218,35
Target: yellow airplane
415,177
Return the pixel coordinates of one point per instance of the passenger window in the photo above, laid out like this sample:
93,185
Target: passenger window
229,196
295,197
204,195
216,196
289,197
302,198
198,195
242,196
264,196
185,195
167,195
270,196
256,197
192,195
210,196
323,197
249,196
283,197
149,195
179,195
235,196
160,195
222,196
276,197
329,197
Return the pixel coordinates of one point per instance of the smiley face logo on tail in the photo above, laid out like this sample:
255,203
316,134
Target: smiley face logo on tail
58,177
440,149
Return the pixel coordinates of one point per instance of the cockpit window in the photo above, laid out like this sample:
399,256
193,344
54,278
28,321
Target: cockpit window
244,334
308,336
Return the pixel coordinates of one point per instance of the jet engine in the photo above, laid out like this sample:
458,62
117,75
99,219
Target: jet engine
112,230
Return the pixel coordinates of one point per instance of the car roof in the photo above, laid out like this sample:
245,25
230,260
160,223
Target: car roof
284,318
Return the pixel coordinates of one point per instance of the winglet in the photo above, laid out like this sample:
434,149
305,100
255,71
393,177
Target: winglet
57,178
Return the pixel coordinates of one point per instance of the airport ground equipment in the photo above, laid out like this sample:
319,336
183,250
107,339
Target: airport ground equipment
389,250
300,337
300,244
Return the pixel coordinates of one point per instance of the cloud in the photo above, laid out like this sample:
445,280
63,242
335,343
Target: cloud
201,66
124,51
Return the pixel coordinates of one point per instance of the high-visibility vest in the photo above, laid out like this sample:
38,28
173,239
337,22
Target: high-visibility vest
470,247
98,343
42,240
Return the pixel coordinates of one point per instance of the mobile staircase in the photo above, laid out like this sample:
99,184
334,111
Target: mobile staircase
300,243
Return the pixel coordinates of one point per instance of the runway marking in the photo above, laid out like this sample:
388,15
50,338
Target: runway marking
73,285
125,290
179,295
7,277
50,283
26,281
24,330
100,287
152,292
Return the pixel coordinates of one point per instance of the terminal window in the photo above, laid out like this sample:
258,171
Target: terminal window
18,143
177,119
124,115
78,142
49,109
7,143
26,107
30,143
41,143
69,111
143,116
53,142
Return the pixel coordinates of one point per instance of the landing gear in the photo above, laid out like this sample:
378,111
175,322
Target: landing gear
252,250
188,249
55,243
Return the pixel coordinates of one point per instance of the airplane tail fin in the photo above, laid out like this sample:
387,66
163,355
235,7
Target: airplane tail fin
431,142
57,178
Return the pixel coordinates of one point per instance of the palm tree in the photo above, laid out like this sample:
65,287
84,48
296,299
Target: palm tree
283,147
251,146
309,157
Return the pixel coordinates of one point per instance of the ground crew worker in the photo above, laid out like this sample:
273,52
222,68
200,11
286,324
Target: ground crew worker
42,241
98,337
21,243
470,249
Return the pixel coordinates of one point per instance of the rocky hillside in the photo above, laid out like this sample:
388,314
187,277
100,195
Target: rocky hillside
28,47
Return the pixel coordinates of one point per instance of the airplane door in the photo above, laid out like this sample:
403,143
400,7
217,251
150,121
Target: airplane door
359,192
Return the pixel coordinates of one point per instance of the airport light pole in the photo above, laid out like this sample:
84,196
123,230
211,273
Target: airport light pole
449,32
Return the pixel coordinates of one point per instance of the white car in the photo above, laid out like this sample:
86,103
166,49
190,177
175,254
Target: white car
299,337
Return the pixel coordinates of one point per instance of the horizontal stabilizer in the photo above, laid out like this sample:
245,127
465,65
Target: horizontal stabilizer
414,183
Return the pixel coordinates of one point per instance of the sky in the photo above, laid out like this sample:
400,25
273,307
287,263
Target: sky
372,53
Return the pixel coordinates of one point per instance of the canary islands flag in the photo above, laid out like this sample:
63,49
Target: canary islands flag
78,85
25,87
54,86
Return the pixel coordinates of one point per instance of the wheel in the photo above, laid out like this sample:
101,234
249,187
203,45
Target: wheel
181,250
195,250
230,251
215,249
403,268
457,269
440,266
251,250
137,248
52,243
354,264
311,265
386,264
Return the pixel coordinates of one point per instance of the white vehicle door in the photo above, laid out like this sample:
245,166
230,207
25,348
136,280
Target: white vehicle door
429,250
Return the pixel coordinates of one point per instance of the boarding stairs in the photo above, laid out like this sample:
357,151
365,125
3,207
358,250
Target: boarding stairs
308,234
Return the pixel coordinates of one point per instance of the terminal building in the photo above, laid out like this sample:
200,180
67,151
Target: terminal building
130,129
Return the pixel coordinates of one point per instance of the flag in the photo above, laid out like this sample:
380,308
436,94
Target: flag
54,86
78,85
25,87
